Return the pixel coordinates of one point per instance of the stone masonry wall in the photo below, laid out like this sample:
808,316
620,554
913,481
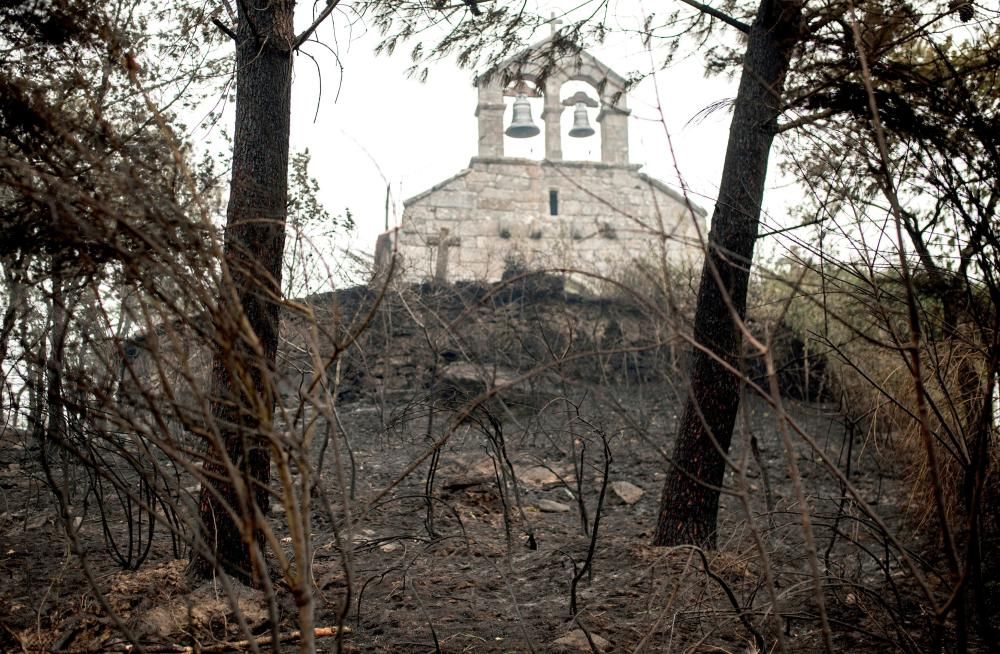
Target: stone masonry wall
496,214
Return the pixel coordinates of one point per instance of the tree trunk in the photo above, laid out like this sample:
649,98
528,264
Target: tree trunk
242,364
690,502
12,281
55,431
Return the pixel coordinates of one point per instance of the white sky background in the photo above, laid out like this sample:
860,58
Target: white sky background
372,126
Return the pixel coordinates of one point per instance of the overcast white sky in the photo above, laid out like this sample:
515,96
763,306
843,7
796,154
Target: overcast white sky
371,126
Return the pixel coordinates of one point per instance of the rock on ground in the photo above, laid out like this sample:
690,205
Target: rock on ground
550,506
627,491
577,640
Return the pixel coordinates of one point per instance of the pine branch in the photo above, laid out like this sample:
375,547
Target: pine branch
304,36
715,13
224,28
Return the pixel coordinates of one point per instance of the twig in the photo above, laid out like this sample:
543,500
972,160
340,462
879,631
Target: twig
224,28
586,568
427,617
304,36
586,634
579,469
715,13
495,434
236,646
740,611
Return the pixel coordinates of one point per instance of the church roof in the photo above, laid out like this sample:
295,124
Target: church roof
674,194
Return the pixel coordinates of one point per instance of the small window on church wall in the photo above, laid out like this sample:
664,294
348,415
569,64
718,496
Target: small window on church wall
553,203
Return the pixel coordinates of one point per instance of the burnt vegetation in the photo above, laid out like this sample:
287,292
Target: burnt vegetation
199,455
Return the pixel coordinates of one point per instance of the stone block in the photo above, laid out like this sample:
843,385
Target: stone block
494,203
459,200
473,259
478,227
518,183
589,246
450,214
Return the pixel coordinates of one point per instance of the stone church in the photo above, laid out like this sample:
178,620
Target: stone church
505,214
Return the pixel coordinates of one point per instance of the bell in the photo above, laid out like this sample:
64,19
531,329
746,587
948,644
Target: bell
521,126
581,126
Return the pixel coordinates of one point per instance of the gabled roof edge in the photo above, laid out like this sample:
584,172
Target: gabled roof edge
547,41
687,201
436,187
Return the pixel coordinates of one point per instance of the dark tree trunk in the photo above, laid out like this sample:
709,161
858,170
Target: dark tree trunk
13,306
690,502
242,393
55,431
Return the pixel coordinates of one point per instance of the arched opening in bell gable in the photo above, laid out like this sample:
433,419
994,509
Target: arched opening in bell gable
578,126
524,132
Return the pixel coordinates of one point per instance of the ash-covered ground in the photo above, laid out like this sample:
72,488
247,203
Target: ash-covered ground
490,464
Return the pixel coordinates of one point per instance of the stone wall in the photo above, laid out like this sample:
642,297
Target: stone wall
496,215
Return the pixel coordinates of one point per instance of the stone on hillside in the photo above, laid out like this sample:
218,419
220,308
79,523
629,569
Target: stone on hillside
577,640
537,476
469,375
550,506
156,601
628,492
460,472
205,608
461,381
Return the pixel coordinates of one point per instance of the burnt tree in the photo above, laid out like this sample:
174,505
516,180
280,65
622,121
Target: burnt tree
690,501
237,469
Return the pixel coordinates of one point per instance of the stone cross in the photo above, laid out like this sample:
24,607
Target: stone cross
443,244
554,23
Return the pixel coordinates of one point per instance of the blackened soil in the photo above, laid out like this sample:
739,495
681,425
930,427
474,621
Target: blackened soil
449,524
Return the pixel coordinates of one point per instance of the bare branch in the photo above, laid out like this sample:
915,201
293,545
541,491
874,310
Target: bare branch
229,9
225,29
805,120
715,13
304,36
